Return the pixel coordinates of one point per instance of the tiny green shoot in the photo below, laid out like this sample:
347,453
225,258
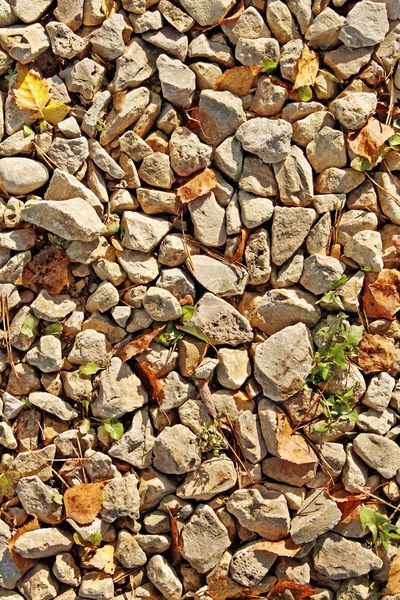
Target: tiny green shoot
332,297
29,326
89,369
379,526
114,428
305,93
269,66
361,163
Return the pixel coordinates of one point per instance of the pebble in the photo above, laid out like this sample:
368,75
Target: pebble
281,308
268,139
42,543
379,453
22,175
176,451
338,558
220,115
365,25
164,577
290,227
178,82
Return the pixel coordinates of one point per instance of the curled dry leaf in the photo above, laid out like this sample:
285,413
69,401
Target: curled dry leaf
23,564
199,185
381,296
393,583
306,68
235,14
285,547
139,344
368,140
101,559
376,353
108,7
292,446
176,543
346,502
297,590
238,80
238,255
83,502
149,379
47,270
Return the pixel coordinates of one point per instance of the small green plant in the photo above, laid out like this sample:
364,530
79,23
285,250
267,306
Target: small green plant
211,440
29,326
59,242
89,369
340,340
10,74
8,483
100,125
379,527
394,142
58,499
361,163
337,408
366,269
28,131
114,428
305,93
332,296
84,427
170,336
96,538
53,329
268,65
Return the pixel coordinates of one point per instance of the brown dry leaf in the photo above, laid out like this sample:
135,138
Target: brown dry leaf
368,140
345,501
192,120
234,15
23,564
298,590
101,559
241,247
292,446
83,502
285,547
376,353
139,344
199,185
393,583
153,385
118,100
381,297
238,80
306,68
176,543
108,7
48,270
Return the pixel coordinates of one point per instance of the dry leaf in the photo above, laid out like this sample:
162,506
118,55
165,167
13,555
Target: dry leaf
23,564
55,112
285,547
199,185
381,297
238,255
83,502
238,80
393,583
48,270
298,590
345,501
108,7
306,68
237,11
176,543
292,446
153,385
118,100
101,559
368,140
208,401
139,344
376,353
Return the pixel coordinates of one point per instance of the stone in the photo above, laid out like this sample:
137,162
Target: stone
320,271
161,305
379,391
295,179
52,308
366,25
208,219
24,43
281,22
269,98
257,257
22,175
90,346
338,181
228,157
178,82
379,453
140,267
104,161
136,445
317,515
64,186
249,565
38,583
387,203
251,52
257,177
327,149
132,108
50,403
66,570
120,498
263,511
176,451
233,368
268,139
352,109
108,40
170,40
346,62
42,543
164,577
281,308
128,552
307,127
63,41
175,16
250,24
47,356
283,362
254,210
143,232
103,298
217,277
318,239
206,14
98,586
220,115
353,222
187,153
218,51
338,558
249,437
213,477
37,462
290,227
379,422
204,539
324,31
365,248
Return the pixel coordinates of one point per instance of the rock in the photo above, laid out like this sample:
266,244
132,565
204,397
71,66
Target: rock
249,437
281,308
52,308
249,25
128,551
249,565
104,161
346,62
268,139
257,177
234,367
69,155
170,40
65,569
118,121
37,462
64,186
187,153
379,453
161,305
38,583
218,51
257,257
24,43
85,78
327,149
220,115
108,41
155,170
213,477
207,14
252,52
317,515
338,181
388,204
175,16
373,421
320,271
143,232
228,157
164,577
353,109
121,499
42,543
56,406
269,98
47,356
366,25
90,346
254,210
140,267
208,219
365,248
338,558
290,227
324,31
220,322
217,277
136,445
176,451
103,298
283,362
263,511
379,391
204,539
9,572
98,586
22,175
70,13
307,126
353,222
178,82
63,41
7,438
295,179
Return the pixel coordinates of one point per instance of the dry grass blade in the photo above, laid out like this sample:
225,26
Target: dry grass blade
5,316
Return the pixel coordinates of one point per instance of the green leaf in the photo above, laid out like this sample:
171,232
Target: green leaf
187,312
10,75
354,334
366,269
114,228
58,499
8,483
79,541
394,142
322,428
305,93
84,427
30,325
269,66
191,329
28,131
367,516
169,336
53,329
43,125
114,428
337,283
96,538
396,124
89,369
360,163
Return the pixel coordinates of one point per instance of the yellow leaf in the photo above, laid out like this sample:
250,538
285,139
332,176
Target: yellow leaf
55,112
238,80
108,7
31,91
307,68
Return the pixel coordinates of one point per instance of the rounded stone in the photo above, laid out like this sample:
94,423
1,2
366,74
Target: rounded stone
22,175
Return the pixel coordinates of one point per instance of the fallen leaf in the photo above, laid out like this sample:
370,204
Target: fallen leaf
55,112
232,17
285,547
153,385
306,68
393,583
208,401
48,270
238,255
368,140
292,446
139,344
23,564
238,80
199,185
346,502
298,590
381,296
118,100
83,502
108,7
376,353
176,543
101,559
